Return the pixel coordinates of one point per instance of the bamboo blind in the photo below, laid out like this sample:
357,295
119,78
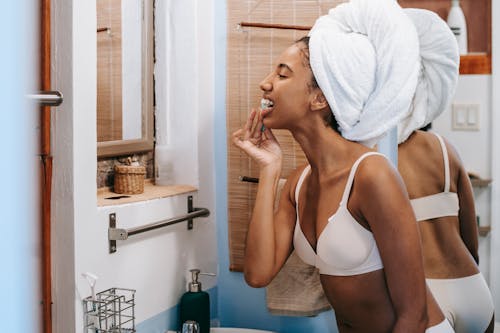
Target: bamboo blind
109,70
251,56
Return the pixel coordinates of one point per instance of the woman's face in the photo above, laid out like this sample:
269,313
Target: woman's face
289,89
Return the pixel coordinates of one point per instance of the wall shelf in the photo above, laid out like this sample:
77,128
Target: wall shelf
475,63
484,231
106,197
480,182
477,181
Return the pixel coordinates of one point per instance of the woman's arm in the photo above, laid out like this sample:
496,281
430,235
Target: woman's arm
379,198
269,236
467,213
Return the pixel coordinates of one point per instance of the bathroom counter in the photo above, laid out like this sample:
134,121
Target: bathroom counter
105,197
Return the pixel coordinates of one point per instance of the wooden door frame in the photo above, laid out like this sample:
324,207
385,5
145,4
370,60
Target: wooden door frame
46,167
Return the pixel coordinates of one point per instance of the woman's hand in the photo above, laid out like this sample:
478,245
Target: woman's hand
258,142
269,236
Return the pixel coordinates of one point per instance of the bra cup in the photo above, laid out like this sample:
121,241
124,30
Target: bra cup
302,246
344,247
344,244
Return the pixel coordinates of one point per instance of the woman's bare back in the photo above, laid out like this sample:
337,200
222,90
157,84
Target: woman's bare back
421,165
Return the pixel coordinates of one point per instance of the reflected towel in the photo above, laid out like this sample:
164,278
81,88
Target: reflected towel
439,75
296,290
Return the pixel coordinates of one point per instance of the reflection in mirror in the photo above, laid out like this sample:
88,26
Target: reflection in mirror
124,76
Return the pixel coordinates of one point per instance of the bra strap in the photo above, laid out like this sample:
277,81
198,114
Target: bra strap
446,163
299,183
350,179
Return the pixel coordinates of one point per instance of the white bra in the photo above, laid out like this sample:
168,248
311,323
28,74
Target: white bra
344,247
439,204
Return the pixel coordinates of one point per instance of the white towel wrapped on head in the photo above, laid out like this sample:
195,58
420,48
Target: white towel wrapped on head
440,70
365,57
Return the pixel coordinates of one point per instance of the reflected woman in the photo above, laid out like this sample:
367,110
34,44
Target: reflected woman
441,196
439,187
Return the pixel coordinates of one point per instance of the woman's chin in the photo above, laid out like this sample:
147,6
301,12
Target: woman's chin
265,112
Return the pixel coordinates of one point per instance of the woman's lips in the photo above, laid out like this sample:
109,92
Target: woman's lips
266,106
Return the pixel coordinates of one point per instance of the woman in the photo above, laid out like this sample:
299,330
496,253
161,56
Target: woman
439,187
347,212
444,205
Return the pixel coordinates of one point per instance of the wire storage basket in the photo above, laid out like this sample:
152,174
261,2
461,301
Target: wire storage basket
111,311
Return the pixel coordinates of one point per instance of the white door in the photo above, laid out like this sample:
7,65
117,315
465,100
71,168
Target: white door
19,213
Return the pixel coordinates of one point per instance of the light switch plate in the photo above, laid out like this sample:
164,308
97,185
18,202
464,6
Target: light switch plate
473,117
465,117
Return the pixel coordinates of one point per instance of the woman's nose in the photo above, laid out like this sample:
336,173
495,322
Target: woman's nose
266,84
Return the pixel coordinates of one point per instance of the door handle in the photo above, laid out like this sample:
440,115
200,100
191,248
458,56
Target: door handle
47,98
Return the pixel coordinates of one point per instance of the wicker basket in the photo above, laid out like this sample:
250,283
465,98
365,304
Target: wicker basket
129,179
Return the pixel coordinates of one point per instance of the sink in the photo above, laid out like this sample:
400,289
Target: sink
236,330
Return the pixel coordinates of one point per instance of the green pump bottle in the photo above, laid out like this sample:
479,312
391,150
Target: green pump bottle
195,304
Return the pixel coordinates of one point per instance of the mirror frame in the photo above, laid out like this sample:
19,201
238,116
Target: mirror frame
146,143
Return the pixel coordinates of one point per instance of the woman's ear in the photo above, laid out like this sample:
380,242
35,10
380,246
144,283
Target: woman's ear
318,101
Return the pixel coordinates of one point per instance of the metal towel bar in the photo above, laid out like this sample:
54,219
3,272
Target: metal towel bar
115,234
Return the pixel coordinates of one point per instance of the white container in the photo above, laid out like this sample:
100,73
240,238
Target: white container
164,165
458,25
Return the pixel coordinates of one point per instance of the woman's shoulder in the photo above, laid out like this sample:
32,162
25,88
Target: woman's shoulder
376,172
292,180
376,181
451,151
419,140
370,166
453,154
296,173
420,147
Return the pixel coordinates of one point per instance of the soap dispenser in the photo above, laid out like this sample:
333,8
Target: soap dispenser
195,304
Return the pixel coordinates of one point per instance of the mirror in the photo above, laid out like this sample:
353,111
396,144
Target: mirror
124,77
